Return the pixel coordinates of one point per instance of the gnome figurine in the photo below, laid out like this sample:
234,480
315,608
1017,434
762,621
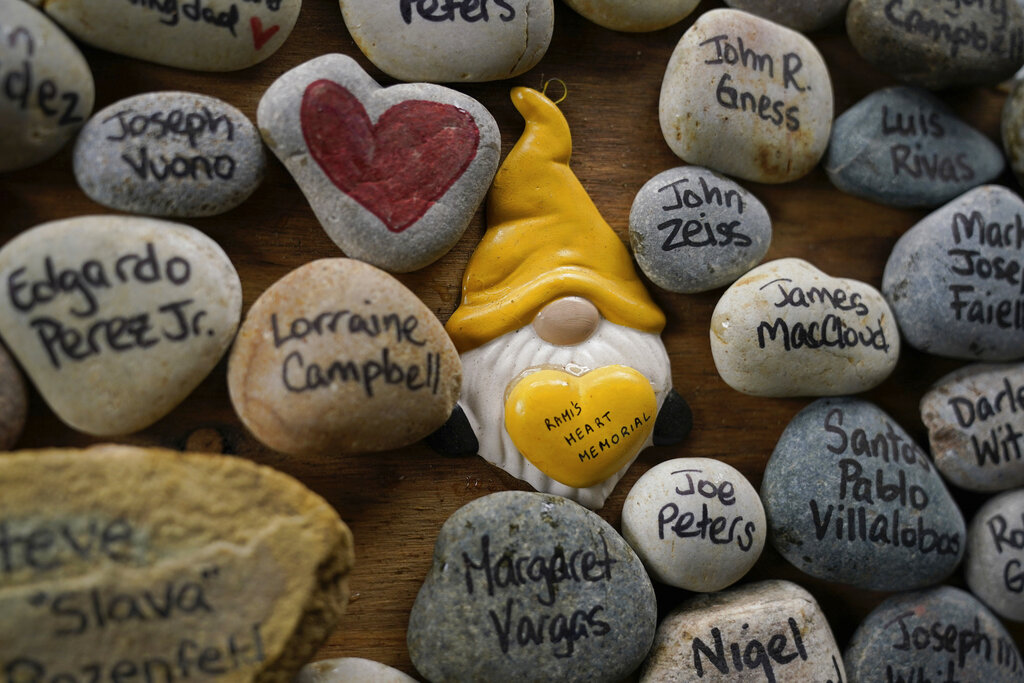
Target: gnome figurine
565,376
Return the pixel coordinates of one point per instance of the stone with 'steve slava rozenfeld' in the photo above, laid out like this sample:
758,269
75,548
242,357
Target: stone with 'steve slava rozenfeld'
994,564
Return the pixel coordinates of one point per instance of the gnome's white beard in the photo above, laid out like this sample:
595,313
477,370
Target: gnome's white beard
489,370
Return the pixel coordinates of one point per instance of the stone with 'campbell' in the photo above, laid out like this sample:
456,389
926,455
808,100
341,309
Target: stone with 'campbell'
766,631
116,319
801,15
788,329
339,356
851,498
634,15
762,87
46,87
956,279
693,230
158,565
169,154
994,564
531,586
904,147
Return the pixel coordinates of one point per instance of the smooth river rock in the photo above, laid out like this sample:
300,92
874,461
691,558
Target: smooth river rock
994,564
975,421
634,15
693,230
394,175
350,670
478,40
763,87
13,401
851,498
800,15
116,319
158,564
169,154
939,44
696,523
47,87
339,356
531,586
954,279
1012,128
766,631
788,329
203,35
904,147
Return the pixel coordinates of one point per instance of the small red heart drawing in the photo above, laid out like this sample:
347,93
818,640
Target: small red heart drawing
259,36
397,168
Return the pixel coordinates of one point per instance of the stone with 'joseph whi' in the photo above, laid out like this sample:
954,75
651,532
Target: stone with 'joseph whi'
116,319
994,565
788,329
634,15
762,87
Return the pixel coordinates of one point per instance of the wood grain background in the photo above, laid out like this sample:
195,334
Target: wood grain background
396,501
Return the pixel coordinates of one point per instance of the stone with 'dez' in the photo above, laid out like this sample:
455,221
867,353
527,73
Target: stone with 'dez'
239,572
994,563
801,15
851,498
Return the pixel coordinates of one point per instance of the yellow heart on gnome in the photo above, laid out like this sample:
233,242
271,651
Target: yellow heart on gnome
580,430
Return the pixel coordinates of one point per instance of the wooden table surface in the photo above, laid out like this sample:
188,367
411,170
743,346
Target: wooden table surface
395,502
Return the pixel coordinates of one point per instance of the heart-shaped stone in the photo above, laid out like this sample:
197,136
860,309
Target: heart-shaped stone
581,430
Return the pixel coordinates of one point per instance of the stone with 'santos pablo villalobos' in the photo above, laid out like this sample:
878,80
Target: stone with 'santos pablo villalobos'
994,565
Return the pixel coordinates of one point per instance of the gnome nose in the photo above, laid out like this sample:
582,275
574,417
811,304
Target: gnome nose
567,321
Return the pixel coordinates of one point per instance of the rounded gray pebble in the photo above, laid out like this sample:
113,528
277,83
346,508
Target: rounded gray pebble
994,565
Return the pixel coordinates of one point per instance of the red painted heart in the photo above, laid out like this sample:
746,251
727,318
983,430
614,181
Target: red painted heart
259,36
397,168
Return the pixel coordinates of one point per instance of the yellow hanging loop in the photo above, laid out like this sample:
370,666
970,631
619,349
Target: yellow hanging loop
565,89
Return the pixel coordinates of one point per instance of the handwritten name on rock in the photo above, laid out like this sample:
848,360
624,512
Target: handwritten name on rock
953,28
718,530
750,655
985,251
697,232
20,85
469,11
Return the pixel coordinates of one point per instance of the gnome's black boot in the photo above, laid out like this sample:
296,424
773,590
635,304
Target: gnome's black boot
675,420
456,437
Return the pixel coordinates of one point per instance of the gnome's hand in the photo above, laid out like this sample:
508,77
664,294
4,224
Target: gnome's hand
674,422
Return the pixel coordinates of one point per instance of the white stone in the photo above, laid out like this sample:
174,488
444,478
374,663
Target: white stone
634,15
350,670
994,562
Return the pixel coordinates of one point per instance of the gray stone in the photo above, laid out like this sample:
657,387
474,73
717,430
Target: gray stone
939,634
13,401
169,154
693,230
904,147
939,44
954,279
800,15
48,92
851,498
975,420
341,136
634,15
994,563
1012,129
531,586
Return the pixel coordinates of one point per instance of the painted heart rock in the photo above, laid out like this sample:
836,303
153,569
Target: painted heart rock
530,586
339,356
116,319
634,15
788,329
851,498
955,280
394,175
239,572
203,35
994,564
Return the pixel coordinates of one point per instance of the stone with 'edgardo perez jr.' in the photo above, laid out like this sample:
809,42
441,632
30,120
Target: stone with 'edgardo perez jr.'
338,356
788,329
994,565
760,86
155,564
116,319
169,154
851,498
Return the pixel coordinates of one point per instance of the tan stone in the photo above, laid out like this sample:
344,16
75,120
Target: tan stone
13,401
159,565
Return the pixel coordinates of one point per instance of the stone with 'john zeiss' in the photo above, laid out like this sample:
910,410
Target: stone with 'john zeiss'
771,630
788,329
531,586
46,87
339,356
994,564
955,280
204,35
116,319
169,154
904,147
975,420
394,175
634,15
801,15
693,230
762,87
160,565
851,498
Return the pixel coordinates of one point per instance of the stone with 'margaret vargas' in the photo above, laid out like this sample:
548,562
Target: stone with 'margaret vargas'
788,329
954,279
693,230
169,154
531,586
762,87
634,15
904,147
350,670
13,401
800,15
116,319
851,498
994,564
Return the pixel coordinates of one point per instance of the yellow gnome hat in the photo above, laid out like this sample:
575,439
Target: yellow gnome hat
545,240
